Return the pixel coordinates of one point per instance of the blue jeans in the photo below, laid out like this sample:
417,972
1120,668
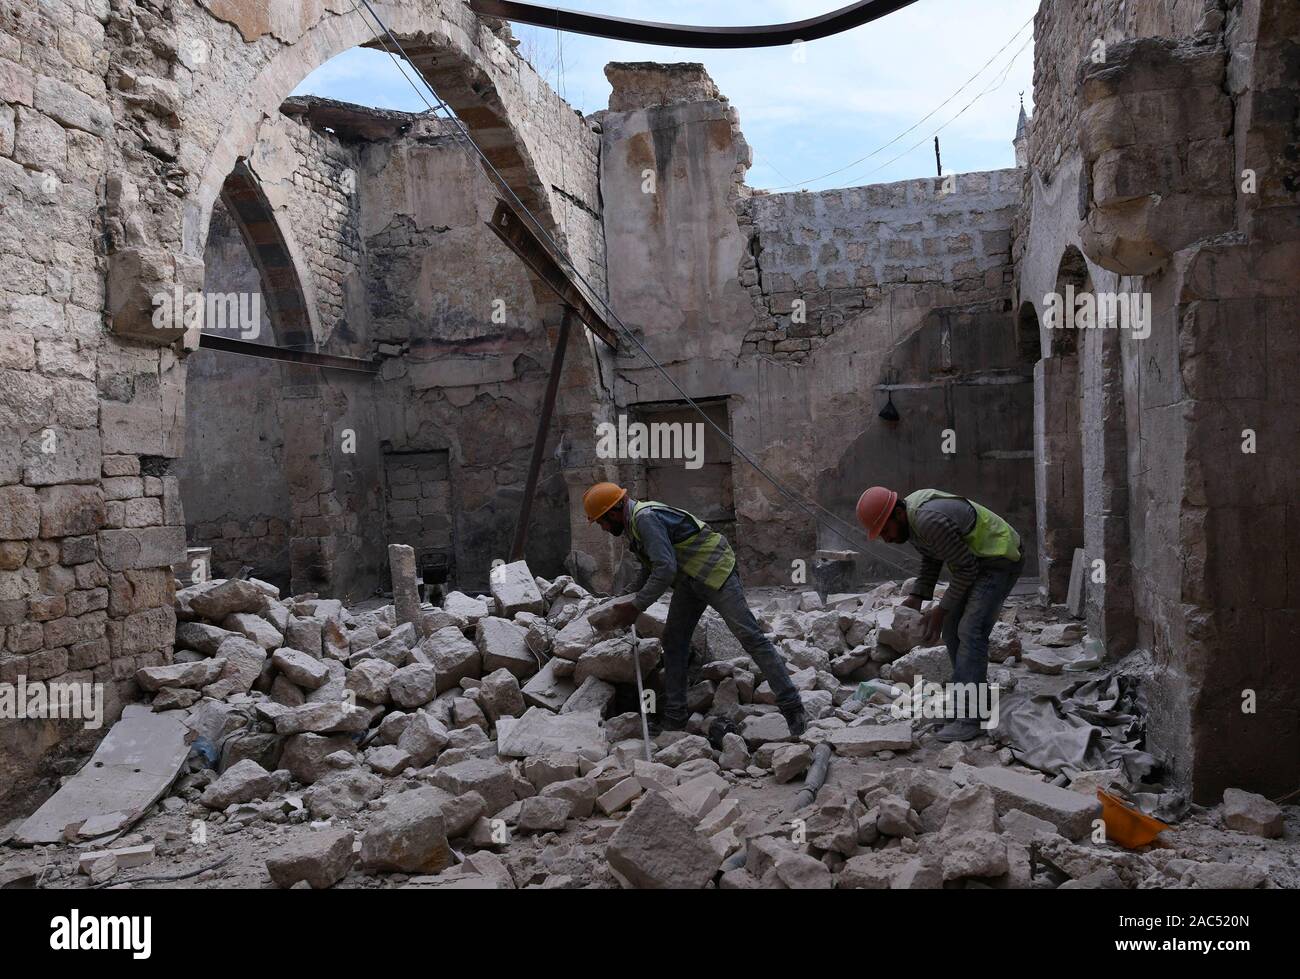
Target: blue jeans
690,598
966,628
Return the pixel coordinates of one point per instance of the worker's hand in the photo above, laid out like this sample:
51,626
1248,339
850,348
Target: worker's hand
912,601
933,619
623,614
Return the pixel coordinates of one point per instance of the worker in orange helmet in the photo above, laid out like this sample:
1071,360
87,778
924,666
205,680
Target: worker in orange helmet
680,551
984,560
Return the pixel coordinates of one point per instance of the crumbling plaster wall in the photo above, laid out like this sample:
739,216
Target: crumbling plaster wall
706,273
1161,209
119,124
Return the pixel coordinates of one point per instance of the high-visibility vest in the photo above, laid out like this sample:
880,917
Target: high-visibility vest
990,537
705,555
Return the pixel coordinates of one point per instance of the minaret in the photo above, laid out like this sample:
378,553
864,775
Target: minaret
1021,142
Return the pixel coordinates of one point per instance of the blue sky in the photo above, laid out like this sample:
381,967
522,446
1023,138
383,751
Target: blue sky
805,113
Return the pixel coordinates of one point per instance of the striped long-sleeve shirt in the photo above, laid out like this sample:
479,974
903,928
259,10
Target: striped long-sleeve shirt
939,530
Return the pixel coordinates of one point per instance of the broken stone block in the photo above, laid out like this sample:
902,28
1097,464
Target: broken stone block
305,755
322,718
889,869
453,657
611,661
1024,827
548,687
1004,642
542,814
414,685
1247,812
409,835
254,628
499,695
579,793
388,760
242,782
406,592
394,648
929,663
301,669
1061,634
422,737
227,598
701,794
342,793
503,644
321,858
1070,812
594,696
201,637
799,871
574,639
1223,877
514,590
867,739
243,665
760,729
543,770
489,779
198,674
461,606
539,732
658,847
974,854
971,809
735,756
790,761
171,698
682,750
900,628
623,794
894,817
369,680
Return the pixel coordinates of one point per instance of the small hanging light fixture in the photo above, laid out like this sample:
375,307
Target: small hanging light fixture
889,413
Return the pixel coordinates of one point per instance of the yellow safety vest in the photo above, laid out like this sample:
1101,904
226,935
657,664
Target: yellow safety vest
990,537
705,555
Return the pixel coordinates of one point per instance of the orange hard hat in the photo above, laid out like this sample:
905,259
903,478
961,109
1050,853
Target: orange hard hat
874,508
602,498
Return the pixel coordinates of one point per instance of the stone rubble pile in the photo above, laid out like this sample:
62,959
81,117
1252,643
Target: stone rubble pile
423,748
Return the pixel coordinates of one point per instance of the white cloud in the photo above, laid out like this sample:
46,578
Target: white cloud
851,94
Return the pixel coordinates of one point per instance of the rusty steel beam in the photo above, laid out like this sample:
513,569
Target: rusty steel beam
539,445
690,36
520,239
308,358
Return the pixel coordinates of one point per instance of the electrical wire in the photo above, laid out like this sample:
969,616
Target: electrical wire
917,124
854,534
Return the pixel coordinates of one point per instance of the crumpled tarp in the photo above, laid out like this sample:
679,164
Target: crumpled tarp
1093,724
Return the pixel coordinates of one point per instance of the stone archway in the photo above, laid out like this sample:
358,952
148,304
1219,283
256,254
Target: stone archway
1058,446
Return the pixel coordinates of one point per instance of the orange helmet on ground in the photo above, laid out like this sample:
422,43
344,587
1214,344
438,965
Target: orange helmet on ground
874,508
602,498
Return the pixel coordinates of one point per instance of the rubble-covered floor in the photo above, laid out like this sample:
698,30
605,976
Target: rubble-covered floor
489,745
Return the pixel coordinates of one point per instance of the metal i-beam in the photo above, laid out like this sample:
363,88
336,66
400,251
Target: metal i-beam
689,36
309,358
520,239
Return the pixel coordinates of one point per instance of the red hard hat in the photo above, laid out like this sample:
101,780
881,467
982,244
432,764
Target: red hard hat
874,508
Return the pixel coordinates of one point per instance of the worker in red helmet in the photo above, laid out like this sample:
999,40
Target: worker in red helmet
984,560
680,551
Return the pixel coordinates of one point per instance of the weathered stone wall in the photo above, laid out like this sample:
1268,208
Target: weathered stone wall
1171,500
119,126
901,282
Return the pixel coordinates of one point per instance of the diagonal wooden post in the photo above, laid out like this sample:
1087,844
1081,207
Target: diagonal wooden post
539,446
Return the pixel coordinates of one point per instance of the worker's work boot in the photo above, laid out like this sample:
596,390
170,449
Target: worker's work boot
963,729
796,720
659,723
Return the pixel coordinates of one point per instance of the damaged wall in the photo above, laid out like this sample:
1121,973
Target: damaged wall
1192,530
902,280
